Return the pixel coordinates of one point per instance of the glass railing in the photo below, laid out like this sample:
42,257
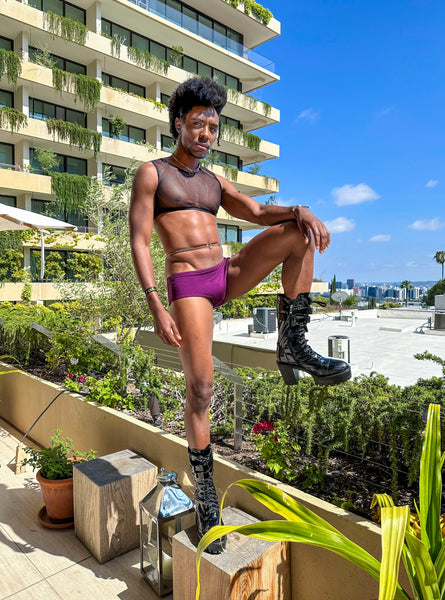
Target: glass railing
175,16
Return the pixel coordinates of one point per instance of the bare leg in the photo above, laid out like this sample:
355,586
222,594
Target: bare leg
194,318
278,244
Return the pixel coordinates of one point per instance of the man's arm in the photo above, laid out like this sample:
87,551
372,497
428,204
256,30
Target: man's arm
243,207
141,224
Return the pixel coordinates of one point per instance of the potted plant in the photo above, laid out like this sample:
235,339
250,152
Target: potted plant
55,475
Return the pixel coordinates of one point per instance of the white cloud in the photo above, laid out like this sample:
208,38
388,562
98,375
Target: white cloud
340,225
308,114
353,194
431,183
381,237
431,225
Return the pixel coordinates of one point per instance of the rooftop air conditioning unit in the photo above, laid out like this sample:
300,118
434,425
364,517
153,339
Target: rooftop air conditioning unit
264,320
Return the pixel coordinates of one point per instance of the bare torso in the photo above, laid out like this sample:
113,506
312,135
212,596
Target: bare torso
188,229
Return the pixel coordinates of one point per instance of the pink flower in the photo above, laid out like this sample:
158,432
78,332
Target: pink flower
81,378
258,428
70,376
275,438
268,426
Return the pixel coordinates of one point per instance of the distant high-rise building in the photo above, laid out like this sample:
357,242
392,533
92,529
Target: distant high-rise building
350,283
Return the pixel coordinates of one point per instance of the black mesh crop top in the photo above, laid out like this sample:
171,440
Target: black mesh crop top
179,190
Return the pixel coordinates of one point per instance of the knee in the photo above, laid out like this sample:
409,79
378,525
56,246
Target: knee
199,395
303,244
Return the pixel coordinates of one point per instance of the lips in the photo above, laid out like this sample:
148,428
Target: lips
202,147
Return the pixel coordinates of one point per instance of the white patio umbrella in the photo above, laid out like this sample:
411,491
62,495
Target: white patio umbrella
17,219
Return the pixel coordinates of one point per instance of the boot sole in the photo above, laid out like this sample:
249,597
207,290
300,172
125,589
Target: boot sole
290,375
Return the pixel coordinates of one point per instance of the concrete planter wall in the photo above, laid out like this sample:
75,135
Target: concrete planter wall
316,574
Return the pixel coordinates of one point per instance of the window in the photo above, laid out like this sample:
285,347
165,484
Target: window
8,200
6,43
167,143
67,164
6,155
117,173
61,63
230,122
229,233
122,84
165,99
131,38
6,98
128,134
224,158
43,207
38,109
59,7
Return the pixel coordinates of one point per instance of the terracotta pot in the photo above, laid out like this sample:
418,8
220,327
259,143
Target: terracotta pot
58,497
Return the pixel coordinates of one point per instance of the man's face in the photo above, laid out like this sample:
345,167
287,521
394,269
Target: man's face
198,130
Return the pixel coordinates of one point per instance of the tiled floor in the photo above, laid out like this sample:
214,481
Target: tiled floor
45,564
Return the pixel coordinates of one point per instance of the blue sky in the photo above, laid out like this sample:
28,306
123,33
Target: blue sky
362,136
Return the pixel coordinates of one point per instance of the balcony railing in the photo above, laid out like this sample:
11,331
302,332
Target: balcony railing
175,16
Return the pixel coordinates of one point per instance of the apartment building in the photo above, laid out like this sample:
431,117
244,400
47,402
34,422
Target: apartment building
90,81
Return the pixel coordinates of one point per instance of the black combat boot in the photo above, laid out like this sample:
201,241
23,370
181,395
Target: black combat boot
206,501
293,352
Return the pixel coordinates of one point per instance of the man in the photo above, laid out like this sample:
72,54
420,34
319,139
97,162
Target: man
180,199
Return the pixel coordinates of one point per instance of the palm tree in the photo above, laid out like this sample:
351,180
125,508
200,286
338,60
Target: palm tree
406,285
439,257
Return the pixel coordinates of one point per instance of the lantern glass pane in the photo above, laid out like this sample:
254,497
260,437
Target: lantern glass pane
150,550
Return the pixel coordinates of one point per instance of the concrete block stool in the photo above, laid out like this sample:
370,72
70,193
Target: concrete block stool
107,492
248,568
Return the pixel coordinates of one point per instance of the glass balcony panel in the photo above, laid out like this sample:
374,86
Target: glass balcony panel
173,12
190,19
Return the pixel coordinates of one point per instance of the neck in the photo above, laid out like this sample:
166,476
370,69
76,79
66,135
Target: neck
188,167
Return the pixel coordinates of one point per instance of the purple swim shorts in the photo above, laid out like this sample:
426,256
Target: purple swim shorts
206,283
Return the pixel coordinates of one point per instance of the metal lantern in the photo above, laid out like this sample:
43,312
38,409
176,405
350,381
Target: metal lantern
165,511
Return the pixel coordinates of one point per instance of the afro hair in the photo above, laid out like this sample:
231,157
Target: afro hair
198,91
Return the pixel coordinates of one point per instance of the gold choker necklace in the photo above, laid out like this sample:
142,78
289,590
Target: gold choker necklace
185,167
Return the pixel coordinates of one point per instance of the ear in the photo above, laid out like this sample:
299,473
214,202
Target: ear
178,125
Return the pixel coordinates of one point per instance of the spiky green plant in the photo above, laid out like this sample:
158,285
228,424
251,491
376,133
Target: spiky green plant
424,558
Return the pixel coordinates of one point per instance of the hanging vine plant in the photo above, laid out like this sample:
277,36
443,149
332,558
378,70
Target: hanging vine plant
86,88
234,96
250,6
11,118
117,125
76,135
238,136
10,64
70,190
145,60
68,29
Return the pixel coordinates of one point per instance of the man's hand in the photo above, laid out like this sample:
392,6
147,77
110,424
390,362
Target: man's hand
166,329
310,225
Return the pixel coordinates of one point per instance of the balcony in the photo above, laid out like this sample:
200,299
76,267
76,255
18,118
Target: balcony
181,20
14,181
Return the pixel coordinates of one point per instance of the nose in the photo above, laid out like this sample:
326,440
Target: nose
204,134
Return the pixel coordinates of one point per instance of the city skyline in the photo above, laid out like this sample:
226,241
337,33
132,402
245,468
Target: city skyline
361,131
